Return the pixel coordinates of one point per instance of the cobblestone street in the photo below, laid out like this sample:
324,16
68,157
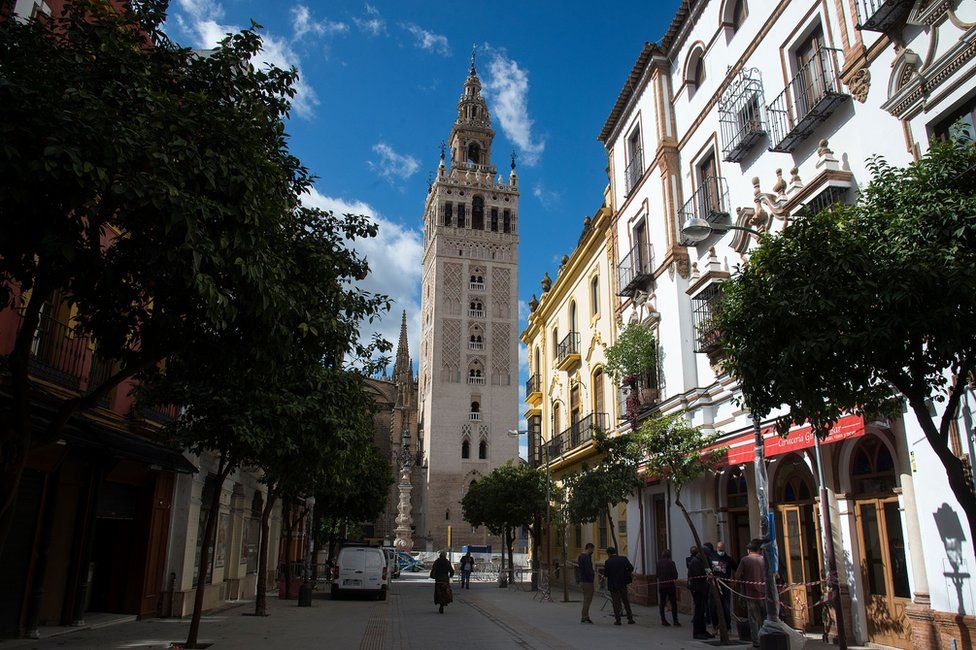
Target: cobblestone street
482,617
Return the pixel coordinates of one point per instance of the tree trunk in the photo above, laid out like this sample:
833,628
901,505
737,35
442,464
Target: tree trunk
288,531
509,541
332,537
501,571
261,597
316,542
611,533
223,469
536,546
712,582
565,560
954,466
640,531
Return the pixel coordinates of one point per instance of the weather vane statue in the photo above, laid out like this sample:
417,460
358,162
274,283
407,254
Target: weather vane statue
473,46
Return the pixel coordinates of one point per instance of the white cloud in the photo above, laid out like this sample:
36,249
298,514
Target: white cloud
507,86
371,23
548,198
428,40
302,23
394,257
391,165
201,21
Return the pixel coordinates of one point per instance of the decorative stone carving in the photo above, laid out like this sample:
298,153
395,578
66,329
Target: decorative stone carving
775,202
860,84
533,304
779,187
546,282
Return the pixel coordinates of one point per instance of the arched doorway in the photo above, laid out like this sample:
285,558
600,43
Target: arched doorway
881,543
798,533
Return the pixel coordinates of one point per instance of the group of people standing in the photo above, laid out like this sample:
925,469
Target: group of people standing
711,561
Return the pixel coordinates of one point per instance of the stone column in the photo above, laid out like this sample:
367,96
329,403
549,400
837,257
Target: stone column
404,533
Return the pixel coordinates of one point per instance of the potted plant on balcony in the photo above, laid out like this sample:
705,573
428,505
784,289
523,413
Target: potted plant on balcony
633,361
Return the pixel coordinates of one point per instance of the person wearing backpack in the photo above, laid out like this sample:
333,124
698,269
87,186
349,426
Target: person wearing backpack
584,577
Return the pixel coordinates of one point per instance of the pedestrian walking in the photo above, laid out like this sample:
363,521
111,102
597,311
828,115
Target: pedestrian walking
442,572
619,573
584,577
467,566
709,549
751,577
723,568
667,589
698,586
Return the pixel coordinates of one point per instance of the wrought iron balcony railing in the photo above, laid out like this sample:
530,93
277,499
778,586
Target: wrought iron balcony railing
567,347
882,15
710,202
533,384
576,434
476,345
635,269
634,170
57,354
741,115
476,313
811,96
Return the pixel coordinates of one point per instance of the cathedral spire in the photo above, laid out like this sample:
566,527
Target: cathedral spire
403,351
473,46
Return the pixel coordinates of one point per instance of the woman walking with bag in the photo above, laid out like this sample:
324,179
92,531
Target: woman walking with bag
442,572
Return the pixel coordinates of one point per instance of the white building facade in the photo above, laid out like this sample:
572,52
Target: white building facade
757,112
468,388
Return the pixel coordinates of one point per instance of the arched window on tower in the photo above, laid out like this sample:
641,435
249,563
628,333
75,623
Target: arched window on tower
506,221
474,153
465,448
478,213
483,450
448,214
460,215
494,219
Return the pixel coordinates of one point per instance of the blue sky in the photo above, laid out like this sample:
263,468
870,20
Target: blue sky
379,84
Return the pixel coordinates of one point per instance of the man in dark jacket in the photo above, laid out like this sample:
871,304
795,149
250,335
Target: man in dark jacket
699,593
442,571
667,590
619,572
723,568
584,576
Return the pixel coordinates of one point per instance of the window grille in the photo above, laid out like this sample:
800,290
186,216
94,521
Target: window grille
704,307
810,97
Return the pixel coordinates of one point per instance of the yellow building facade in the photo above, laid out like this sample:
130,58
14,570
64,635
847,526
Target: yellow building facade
569,395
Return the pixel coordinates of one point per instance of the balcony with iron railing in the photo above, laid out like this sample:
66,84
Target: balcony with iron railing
476,313
576,435
811,96
741,117
57,353
476,379
710,202
635,270
882,15
476,345
568,351
533,389
474,416
634,170
476,286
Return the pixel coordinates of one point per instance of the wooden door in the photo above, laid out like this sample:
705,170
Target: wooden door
800,562
154,582
708,190
884,570
660,525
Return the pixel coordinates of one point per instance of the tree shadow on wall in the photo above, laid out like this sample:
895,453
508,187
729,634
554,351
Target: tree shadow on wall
953,535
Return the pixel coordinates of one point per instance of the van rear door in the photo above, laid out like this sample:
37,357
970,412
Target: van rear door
352,567
375,563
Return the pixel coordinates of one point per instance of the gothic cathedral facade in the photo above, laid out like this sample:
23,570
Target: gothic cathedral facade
469,311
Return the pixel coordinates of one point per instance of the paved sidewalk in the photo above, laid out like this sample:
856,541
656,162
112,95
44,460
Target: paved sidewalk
484,617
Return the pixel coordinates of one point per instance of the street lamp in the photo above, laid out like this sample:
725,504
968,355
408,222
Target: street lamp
697,230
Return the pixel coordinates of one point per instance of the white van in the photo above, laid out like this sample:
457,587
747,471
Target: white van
361,569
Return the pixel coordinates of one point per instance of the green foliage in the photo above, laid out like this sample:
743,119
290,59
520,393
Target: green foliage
842,306
508,497
634,353
676,449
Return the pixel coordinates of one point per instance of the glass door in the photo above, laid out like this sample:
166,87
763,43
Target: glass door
884,571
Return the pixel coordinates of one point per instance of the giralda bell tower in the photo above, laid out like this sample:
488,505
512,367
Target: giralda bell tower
468,388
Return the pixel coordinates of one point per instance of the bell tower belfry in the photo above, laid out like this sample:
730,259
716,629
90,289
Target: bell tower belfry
468,391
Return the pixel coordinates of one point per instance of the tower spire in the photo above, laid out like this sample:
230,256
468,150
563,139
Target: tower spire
403,352
473,46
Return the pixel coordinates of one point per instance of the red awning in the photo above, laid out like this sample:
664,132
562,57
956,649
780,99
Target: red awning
742,448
